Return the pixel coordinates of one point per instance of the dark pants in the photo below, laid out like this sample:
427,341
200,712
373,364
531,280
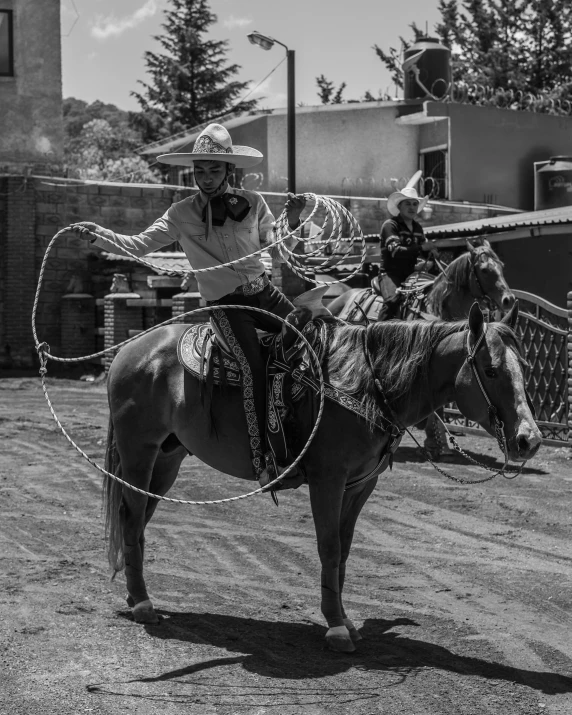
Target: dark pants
242,325
391,298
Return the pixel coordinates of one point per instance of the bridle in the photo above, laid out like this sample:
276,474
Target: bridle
490,303
494,418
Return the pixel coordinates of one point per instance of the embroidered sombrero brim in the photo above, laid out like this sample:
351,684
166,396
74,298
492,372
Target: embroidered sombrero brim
243,157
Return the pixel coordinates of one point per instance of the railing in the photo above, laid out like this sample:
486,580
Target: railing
546,334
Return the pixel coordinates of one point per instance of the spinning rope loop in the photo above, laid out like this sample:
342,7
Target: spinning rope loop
335,213
44,355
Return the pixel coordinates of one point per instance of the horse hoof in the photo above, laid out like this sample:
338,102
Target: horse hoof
355,635
338,639
145,613
130,601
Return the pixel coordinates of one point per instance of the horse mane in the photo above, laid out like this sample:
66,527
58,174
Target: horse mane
455,279
400,352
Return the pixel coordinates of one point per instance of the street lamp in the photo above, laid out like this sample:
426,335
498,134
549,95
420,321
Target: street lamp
267,43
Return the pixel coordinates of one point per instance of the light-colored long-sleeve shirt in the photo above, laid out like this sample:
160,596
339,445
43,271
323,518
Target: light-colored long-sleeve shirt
183,222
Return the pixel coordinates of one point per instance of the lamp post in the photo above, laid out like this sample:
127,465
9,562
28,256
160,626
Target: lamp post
267,43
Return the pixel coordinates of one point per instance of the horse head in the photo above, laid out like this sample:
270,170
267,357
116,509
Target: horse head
487,274
490,387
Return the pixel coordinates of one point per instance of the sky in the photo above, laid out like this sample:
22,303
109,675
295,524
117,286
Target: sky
103,42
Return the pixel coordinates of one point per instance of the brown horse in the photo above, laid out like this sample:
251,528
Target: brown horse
157,417
476,275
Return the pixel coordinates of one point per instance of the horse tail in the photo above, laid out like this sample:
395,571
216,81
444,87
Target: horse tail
112,494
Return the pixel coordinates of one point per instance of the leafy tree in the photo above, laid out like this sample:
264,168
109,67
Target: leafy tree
394,58
327,91
513,47
103,152
191,81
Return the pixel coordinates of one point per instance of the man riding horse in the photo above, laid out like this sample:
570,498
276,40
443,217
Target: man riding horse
401,240
216,226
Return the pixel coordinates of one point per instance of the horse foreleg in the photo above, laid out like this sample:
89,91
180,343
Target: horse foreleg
352,504
326,504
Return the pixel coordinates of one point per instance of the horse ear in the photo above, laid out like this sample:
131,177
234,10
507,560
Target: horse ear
512,316
470,246
476,320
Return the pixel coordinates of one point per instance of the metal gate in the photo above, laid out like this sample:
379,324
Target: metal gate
546,334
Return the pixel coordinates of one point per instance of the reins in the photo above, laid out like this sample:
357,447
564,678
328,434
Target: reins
494,419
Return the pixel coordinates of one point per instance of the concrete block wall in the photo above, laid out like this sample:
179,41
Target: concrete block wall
18,272
125,208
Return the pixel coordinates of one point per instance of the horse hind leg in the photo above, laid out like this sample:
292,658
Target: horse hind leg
165,471
353,502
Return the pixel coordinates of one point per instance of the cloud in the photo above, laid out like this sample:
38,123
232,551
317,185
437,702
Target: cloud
111,26
232,22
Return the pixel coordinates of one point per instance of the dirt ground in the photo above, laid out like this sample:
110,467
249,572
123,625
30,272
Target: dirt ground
463,593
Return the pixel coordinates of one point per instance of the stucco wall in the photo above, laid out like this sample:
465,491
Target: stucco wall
493,151
344,150
540,265
31,124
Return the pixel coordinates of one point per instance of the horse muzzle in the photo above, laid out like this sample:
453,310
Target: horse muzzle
525,444
507,301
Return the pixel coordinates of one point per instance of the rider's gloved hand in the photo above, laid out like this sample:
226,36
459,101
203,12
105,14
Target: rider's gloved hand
85,227
294,207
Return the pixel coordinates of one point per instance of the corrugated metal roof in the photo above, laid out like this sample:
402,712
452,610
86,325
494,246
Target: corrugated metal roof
174,260
546,217
163,260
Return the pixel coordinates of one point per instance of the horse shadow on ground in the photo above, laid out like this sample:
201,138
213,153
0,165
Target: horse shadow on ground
410,454
297,651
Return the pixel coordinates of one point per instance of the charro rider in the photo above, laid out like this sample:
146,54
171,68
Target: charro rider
401,241
216,226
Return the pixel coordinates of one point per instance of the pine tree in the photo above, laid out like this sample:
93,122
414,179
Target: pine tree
191,82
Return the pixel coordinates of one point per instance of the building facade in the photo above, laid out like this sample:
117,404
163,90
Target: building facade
481,155
31,122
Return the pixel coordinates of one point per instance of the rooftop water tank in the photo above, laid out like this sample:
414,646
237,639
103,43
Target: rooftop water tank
553,183
427,70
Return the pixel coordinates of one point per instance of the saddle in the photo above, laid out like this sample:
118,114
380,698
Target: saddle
367,303
414,290
202,351
289,378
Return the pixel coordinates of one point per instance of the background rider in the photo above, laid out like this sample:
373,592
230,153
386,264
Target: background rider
401,241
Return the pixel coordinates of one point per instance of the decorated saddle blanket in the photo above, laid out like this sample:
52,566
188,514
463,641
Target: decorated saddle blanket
289,377
289,373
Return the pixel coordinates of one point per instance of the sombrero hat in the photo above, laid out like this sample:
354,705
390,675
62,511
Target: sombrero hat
397,197
215,144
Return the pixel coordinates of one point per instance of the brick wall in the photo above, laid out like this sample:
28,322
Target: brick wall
18,272
32,212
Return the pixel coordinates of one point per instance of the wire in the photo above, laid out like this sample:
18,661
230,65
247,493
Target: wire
227,112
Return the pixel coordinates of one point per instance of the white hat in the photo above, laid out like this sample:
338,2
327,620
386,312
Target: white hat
407,193
215,144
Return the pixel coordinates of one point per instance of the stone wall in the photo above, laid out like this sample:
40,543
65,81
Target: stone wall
34,209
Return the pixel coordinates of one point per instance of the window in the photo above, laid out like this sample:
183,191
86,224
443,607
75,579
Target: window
434,168
6,49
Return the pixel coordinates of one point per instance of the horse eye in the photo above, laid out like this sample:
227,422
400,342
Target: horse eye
491,372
